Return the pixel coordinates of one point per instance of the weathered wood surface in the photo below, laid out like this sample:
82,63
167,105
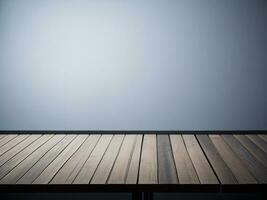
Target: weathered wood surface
142,159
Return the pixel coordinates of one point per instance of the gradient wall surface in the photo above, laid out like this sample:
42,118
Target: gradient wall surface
169,65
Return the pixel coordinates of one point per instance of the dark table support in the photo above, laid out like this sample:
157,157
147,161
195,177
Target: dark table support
264,195
148,195
136,195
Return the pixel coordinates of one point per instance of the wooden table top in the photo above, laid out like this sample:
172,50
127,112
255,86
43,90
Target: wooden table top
118,162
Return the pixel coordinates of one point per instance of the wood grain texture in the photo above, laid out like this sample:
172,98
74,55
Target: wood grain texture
148,173
264,137
73,166
262,144
133,161
255,167
166,167
13,176
132,176
42,164
18,148
205,173
221,169
121,165
240,171
6,139
2,136
14,161
253,149
103,170
87,171
51,170
4,148
184,166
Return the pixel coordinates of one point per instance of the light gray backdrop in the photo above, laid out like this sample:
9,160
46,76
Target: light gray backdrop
118,64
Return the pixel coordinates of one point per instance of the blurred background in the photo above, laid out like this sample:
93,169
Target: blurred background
133,65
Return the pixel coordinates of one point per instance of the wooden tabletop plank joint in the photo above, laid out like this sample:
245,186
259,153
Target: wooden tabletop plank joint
137,162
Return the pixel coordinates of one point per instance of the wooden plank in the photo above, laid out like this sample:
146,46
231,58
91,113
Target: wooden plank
148,166
56,164
18,148
121,165
2,136
184,166
264,137
262,144
40,166
253,149
12,143
254,166
14,161
72,167
14,175
8,138
224,174
132,175
241,173
158,159
166,167
103,170
91,164
203,169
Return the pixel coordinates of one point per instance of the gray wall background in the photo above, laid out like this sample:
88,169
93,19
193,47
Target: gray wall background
114,64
